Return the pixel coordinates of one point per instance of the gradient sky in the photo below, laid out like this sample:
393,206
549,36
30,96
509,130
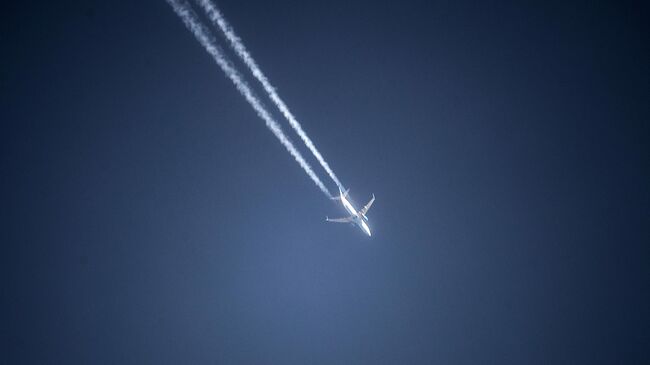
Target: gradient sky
150,217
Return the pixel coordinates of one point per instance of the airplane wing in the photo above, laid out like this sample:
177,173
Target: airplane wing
365,209
339,220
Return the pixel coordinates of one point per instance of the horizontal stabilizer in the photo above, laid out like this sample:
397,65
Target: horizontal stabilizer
343,193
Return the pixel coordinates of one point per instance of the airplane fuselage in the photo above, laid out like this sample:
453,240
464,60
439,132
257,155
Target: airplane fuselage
357,219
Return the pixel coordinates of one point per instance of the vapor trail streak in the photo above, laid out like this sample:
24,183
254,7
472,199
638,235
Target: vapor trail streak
217,18
205,38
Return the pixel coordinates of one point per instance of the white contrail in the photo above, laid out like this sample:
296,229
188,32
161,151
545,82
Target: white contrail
205,38
217,18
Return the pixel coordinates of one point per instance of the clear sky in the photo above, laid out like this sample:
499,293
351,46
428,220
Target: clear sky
150,217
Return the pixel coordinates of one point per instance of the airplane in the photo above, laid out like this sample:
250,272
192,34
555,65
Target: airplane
357,218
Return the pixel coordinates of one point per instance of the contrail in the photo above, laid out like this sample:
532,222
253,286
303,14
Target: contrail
207,41
217,18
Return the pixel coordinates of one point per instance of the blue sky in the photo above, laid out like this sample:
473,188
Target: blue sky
152,218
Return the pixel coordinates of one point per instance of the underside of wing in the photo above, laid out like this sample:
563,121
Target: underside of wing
366,208
339,220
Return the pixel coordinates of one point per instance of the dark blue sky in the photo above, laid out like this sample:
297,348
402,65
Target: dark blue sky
150,217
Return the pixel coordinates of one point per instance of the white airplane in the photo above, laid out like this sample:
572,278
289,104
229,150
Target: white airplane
356,217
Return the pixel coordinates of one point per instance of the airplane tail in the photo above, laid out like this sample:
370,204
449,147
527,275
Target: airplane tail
342,193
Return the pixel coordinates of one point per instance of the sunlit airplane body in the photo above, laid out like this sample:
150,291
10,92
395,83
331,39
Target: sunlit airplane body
357,218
